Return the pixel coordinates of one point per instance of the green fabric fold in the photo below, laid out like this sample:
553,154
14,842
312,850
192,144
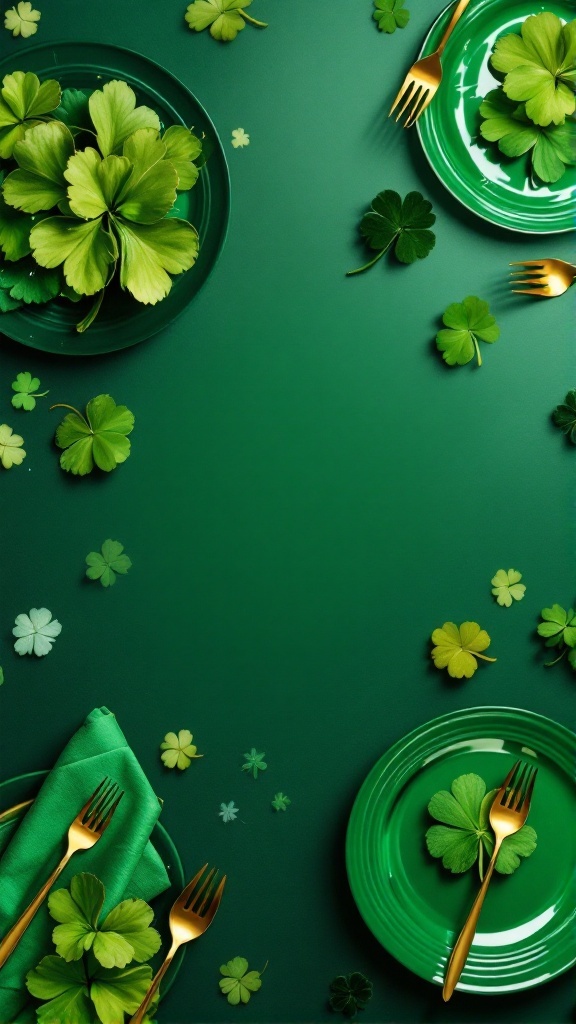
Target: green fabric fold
124,858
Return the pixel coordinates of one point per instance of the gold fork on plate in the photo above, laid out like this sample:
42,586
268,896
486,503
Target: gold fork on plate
86,829
191,915
423,80
508,813
547,277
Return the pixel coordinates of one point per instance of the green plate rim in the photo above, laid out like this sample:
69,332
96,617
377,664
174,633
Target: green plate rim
407,752
421,130
42,773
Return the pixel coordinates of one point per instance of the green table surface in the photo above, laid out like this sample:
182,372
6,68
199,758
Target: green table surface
310,493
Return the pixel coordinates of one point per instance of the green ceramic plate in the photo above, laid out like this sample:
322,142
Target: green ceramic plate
415,907
473,170
122,321
25,787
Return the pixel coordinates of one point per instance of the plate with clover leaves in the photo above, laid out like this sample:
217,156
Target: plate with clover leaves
489,184
414,906
22,788
122,321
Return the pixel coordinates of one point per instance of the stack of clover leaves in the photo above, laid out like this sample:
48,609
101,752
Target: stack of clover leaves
87,188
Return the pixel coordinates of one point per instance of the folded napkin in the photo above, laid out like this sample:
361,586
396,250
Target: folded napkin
124,859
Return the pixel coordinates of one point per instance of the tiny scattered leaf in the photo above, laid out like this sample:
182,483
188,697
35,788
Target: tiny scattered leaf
390,15
229,812
98,438
22,20
403,223
240,138
564,416
11,450
281,802
26,388
224,18
238,983
558,627
457,648
466,322
254,762
108,563
350,993
36,632
178,750
507,588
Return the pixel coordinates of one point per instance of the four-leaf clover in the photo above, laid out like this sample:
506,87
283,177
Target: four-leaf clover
350,993
178,750
466,322
564,416
281,802
226,18
457,648
105,566
404,223
506,587
22,20
26,388
238,982
11,450
99,437
390,15
36,632
229,812
254,762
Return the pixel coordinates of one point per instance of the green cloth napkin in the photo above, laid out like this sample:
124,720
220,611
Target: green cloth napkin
124,859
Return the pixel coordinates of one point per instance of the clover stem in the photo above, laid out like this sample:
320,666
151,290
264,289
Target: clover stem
92,313
62,405
484,657
372,262
259,24
40,394
478,356
548,664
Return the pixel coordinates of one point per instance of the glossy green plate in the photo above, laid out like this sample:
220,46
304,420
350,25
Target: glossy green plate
122,321
415,907
25,787
474,171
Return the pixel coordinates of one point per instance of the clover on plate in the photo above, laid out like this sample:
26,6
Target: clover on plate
178,750
457,648
24,101
36,632
551,149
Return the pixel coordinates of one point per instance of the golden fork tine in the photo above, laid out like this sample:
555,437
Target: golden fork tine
187,892
533,280
423,102
516,793
205,885
215,902
527,263
508,779
412,97
91,799
208,897
542,292
529,789
407,82
100,805
102,826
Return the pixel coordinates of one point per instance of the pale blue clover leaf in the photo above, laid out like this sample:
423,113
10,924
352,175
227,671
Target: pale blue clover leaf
229,812
36,632
254,763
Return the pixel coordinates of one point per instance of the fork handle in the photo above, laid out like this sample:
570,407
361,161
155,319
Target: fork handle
459,10
141,1011
466,937
11,940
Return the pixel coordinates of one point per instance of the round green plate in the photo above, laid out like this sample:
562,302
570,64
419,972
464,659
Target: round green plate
122,321
474,171
415,907
25,787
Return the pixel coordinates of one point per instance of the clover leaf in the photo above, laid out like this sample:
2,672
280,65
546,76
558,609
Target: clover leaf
390,15
182,149
281,802
225,18
115,116
25,281
465,832
558,627
178,750
564,416
254,763
11,450
540,67
26,388
39,183
229,811
403,223
467,321
551,149
507,588
98,438
1,676
22,20
238,983
14,231
108,563
36,632
23,101
350,993
124,934
77,993
74,110
457,648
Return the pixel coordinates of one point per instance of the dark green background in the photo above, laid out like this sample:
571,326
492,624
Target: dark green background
310,493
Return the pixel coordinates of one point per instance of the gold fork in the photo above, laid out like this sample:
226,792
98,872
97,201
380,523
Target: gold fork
423,80
191,915
548,278
508,813
86,829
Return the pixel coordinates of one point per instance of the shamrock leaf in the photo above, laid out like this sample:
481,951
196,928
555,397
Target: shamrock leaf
457,648
254,763
74,110
106,565
85,248
402,223
36,632
179,750
551,149
14,231
99,437
150,252
26,388
390,15
25,281
23,100
240,138
63,986
558,626
115,116
22,20
11,451
238,982
42,156
564,416
466,321
117,991
506,587
281,802
349,993
228,812
182,149
1,676
540,67
226,18
465,831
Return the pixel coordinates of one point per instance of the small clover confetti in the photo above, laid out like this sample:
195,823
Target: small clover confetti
238,982
457,648
564,416
106,565
506,587
226,18
390,15
179,751
350,993
240,138
558,627
11,451
229,812
22,20
26,388
254,762
280,802
36,632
